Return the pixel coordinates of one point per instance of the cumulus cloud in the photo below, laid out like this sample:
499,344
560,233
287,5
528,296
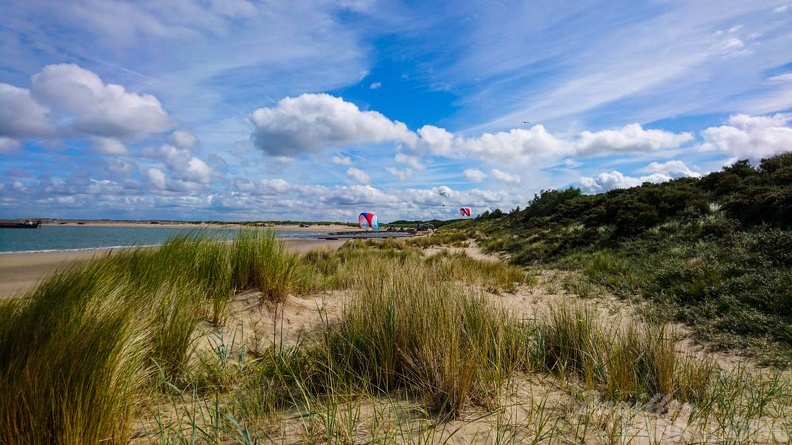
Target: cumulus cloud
181,162
157,178
357,195
401,174
753,137
608,181
528,146
358,175
96,108
630,138
342,160
658,172
119,167
516,146
184,139
109,146
197,171
474,175
412,161
274,187
437,140
673,168
311,123
504,177
21,116
8,144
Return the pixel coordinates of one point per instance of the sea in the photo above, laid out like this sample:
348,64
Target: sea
62,238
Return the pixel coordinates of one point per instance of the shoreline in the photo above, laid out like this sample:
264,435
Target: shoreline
21,272
296,227
306,227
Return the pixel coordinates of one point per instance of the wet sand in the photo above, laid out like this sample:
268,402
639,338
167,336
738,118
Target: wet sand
21,272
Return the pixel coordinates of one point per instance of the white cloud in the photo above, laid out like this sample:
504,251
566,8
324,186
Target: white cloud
401,174
157,178
375,85
504,177
630,138
516,146
119,167
732,46
181,162
674,168
437,140
21,116
359,175
658,172
96,108
474,175
184,139
753,137
412,161
109,146
274,187
608,181
314,122
8,144
197,171
781,78
342,160
782,8
445,191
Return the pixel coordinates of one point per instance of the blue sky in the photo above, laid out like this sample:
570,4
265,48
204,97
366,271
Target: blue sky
318,110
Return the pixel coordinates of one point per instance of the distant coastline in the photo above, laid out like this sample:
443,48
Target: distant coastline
76,236
297,225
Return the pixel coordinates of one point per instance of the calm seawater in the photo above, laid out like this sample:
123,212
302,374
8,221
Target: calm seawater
64,238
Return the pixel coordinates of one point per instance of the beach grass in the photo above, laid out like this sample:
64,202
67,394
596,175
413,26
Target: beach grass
420,353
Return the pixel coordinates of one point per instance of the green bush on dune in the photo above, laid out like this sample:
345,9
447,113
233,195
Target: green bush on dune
711,251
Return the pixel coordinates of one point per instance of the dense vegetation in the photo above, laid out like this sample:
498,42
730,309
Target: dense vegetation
714,252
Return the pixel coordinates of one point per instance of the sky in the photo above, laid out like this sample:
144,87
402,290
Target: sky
318,110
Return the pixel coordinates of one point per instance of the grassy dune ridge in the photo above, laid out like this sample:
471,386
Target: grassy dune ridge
712,252
110,352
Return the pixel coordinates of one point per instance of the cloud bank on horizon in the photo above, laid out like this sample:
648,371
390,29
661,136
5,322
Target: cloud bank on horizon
319,110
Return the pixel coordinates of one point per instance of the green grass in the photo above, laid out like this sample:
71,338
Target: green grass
86,340
419,354
408,330
731,296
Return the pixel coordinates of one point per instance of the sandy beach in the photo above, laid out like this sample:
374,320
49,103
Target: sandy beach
21,272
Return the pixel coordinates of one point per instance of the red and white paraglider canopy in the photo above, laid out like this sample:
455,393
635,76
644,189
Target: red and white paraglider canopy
368,220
